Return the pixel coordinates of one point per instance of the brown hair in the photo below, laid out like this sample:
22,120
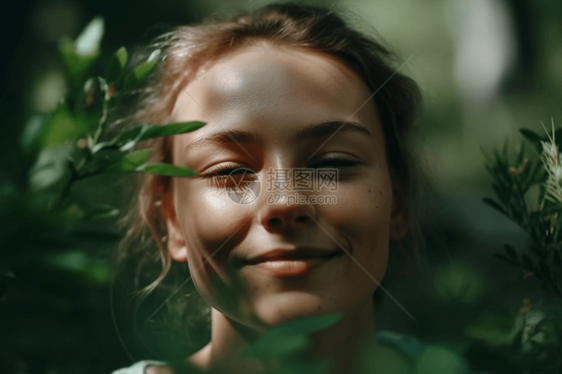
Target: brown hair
186,50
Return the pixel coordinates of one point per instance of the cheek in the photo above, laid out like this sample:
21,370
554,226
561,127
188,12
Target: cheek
206,215
208,220
364,207
363,217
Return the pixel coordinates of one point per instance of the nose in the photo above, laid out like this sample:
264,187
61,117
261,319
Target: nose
276,212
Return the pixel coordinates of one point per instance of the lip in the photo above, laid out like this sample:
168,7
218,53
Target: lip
297,262
291,254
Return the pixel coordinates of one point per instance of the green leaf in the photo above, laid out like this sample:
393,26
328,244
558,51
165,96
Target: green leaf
78,264
90,85
104,87
130,138
271,346
88,42
30,133
74,66
51,168
127,163
493,328
103,84
439,360
154,55
494,204
304,366
308,325
171,129
59,128
533,137
137,75
289,337
100,213
166,170
77,57
116,65
530,135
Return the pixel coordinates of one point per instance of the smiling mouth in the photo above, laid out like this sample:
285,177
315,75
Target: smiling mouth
291,263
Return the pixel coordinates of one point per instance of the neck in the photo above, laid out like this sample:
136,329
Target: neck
340,344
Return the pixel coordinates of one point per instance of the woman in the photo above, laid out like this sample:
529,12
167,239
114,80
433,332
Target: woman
288,92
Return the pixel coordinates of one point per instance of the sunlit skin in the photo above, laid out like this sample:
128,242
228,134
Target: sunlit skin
273,93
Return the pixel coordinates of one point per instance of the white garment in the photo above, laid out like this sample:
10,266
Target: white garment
138,367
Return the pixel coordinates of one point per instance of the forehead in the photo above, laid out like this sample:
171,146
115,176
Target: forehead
284,85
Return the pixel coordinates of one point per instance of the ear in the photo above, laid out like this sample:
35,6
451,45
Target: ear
399,226
175,241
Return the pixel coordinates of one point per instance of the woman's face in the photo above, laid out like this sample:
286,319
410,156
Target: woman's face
269,109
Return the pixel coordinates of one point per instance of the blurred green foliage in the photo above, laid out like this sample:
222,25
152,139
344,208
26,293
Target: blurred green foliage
51,255
523,338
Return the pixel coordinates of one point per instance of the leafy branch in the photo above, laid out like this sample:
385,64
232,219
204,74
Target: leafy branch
512,181
71,144
73,124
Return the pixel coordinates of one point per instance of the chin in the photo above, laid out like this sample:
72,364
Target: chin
274,309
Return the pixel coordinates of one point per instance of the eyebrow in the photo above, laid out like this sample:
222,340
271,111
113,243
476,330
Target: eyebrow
311,131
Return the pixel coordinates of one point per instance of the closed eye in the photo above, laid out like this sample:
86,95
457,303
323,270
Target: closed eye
220,175
335,162
226,170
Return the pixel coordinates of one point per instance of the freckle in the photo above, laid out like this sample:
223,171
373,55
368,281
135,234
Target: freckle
380,193
369,190
377,207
